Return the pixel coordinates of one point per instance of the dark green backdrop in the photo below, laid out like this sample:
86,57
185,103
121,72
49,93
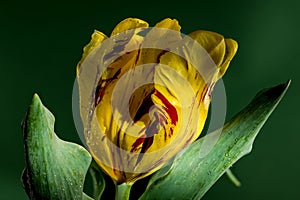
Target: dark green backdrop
41,42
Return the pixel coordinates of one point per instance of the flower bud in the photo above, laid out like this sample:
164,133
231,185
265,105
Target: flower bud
148,93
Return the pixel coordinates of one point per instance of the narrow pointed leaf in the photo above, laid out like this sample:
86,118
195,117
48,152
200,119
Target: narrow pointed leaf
191,175
55,169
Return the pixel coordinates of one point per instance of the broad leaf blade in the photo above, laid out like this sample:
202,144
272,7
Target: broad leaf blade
191,175
55,169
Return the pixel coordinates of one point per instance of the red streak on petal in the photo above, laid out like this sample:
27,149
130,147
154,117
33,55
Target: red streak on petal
147,139
204,92
115,172
207,91
114,165
101,88
210,89
145,106
170,109
138,142
190,139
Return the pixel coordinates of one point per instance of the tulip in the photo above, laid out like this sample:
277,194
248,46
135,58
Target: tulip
167,100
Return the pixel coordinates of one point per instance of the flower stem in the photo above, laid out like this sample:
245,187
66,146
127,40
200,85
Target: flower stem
123,191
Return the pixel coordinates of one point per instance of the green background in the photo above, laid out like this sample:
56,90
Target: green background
41,42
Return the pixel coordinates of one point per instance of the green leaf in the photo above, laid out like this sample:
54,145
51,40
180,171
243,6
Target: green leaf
55,169
98,180
86,197
191,175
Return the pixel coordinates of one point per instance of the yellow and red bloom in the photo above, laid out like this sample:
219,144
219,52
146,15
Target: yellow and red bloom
159,125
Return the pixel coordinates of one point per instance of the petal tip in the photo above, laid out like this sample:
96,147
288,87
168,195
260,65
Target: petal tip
127,24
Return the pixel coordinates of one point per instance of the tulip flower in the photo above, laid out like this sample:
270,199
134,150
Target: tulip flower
141,106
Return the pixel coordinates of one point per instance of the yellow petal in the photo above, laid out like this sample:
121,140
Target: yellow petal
169,24
212,42
159,36
184,87
129,23
231,49
96,39
221,50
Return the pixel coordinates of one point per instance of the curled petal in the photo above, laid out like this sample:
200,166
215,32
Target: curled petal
221,50
96,39
213,43
231,49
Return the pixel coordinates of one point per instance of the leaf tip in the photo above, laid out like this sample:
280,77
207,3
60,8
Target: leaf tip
287,84
36,99
282,88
